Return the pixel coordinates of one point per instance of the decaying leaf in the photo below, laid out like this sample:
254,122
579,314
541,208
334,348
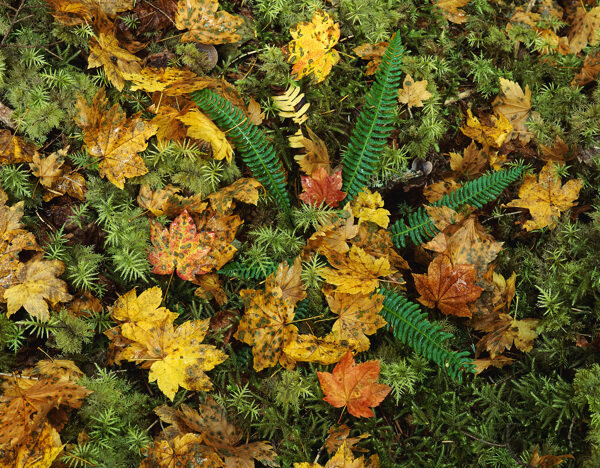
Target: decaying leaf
114,139
515,105
205,24
558,152
182,451
13,149
311,47
436,191
547,461
267,327
472,163
488,135
482,364
413,93
343,459
244,190
333,237
451,10
322,188
356,273
170,81
373,53
590,70
180,248
546,198
584,30
338,435
155,201
39,450
202,128
35,285
448,287
354,386
368,206
287,278
255,115
309,348
48,169
503,331
316,155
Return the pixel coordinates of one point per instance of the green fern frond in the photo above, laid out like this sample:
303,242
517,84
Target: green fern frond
247,272
410,326
374,124
250,142
418,226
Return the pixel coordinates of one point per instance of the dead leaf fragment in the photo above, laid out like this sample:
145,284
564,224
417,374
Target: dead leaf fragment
451,10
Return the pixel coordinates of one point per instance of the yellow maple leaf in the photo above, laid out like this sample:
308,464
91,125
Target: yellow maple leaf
343,458
546,198
245,190
13,149
309,348
451,10
39,450
106,52
155,201
584,30
47,169
413,93
356,273
311,47
114,139
358,316
205,24
175,356
202,128
267,327
368,206
37,284
488,135
143,310
515,105
170,81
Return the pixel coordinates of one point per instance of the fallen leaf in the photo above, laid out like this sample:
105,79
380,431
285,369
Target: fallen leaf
451,10
338,435
548,461
35,285
47,169
316,155
443,216
244,190
155,201
498,361
321,188
354,386
170,81
39,450
287,278
143,310
333,237
545,197
487,135
255,115
373,53
358,316
114,139
558,152
13,149
503,332
267,327
166,119
311,48
413,93
436,191
584,29
378,243
357,272
516,106
472,163
222,229
70,12
590,70
202,128
180,248
181,451
209,286
205,24
343,459
448,287
309,348
174,355
368,206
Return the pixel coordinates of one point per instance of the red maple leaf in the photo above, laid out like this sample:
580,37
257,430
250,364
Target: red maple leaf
180,247
321,187
354,385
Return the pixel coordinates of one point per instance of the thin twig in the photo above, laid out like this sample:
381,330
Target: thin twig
12,23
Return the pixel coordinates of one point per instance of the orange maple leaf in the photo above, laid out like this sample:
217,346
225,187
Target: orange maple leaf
447,287
181,247
354,386
321,187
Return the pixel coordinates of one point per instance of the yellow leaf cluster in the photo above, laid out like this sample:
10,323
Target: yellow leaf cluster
343,458
368,206
488,135
147,336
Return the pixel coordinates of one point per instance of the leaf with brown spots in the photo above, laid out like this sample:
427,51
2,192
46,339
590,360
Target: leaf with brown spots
244,190
48,169
584,29
358,316
589,72
373,53
13,149
35,285
515,105
356,273
378,243
170,81
503,331
309,348
205,24
354,386
333,237
413,93
311,48
546,198
218,434
338,435
222,228
267,327
472,163
448,287
39,450
436,191
451,10
180,451
180,248
114,139
287,278
155,201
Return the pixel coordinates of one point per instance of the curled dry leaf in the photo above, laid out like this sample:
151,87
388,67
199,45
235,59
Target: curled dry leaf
547,461
354,386
205,24
448,287
338,435
589,72
287,278
202,128
546,198
472,163
311,48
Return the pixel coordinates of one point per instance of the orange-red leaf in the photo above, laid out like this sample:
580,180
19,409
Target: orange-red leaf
354,386
321,187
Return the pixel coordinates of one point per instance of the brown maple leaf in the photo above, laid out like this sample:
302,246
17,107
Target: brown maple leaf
589,72
338,435
48,169
114,139
503,332
515,105
354,386
472,163
448,287
451,10
13,149
413,93
287,278
547,461
584,29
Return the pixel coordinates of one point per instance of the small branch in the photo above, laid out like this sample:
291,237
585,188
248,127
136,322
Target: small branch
12,23
460,96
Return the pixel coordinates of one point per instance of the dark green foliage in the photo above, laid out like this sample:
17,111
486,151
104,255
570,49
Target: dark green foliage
374,124
419,228
241,271
250,143
410,326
